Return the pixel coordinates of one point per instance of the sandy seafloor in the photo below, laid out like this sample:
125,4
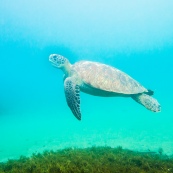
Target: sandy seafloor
134,36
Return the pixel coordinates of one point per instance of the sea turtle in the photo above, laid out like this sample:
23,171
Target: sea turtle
100,80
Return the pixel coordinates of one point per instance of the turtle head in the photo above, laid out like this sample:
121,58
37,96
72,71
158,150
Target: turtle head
60,62
57,60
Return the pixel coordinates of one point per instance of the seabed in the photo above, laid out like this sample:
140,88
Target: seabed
91,160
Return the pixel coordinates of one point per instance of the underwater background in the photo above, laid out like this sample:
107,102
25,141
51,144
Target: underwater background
133,36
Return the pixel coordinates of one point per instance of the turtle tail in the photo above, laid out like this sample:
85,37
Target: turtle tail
150,92
147,101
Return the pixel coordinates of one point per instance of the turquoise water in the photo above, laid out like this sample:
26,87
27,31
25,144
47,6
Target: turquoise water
134,36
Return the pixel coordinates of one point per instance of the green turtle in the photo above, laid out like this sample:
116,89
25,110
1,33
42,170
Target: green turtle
100,80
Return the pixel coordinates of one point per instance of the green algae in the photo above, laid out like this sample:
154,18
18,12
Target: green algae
90,160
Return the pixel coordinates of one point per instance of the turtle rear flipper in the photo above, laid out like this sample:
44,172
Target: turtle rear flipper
148,102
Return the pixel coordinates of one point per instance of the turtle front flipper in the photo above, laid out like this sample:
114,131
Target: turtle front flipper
72,93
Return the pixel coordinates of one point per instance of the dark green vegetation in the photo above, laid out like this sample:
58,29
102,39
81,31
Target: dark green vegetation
95,159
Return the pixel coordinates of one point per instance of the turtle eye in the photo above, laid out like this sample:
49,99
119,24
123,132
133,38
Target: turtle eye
54,57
